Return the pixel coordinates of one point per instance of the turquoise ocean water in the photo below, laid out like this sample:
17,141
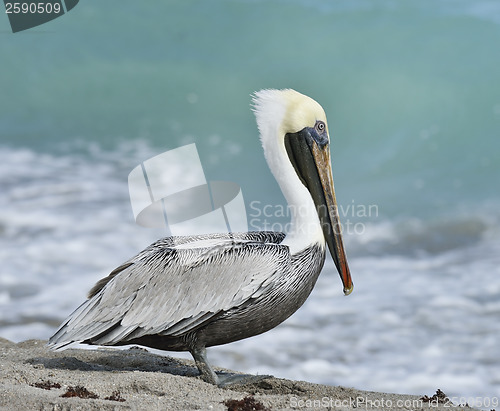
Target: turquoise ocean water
412,94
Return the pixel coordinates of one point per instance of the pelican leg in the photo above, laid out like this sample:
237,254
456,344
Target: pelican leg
206,371
222,379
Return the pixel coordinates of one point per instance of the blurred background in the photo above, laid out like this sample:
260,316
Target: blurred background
412,94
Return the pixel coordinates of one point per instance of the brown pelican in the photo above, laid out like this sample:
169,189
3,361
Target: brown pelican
189,293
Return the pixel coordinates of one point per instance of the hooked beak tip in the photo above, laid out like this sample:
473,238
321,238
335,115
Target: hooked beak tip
348,291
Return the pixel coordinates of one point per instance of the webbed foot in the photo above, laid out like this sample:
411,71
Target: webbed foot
221,379
227,379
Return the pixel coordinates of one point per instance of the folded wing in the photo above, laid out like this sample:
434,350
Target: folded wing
173,289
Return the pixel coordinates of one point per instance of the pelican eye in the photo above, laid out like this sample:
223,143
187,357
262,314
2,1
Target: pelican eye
320,127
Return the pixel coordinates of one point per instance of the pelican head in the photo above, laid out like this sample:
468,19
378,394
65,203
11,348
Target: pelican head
296,142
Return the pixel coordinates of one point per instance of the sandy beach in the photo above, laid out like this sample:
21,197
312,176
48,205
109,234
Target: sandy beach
34,378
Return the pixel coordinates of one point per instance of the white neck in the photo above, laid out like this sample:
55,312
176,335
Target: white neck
304,228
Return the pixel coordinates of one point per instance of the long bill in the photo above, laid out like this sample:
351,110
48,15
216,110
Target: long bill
310,156
327,208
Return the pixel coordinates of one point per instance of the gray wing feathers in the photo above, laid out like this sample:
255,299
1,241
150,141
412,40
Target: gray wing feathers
170,292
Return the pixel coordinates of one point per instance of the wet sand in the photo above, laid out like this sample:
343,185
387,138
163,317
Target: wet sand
34,378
